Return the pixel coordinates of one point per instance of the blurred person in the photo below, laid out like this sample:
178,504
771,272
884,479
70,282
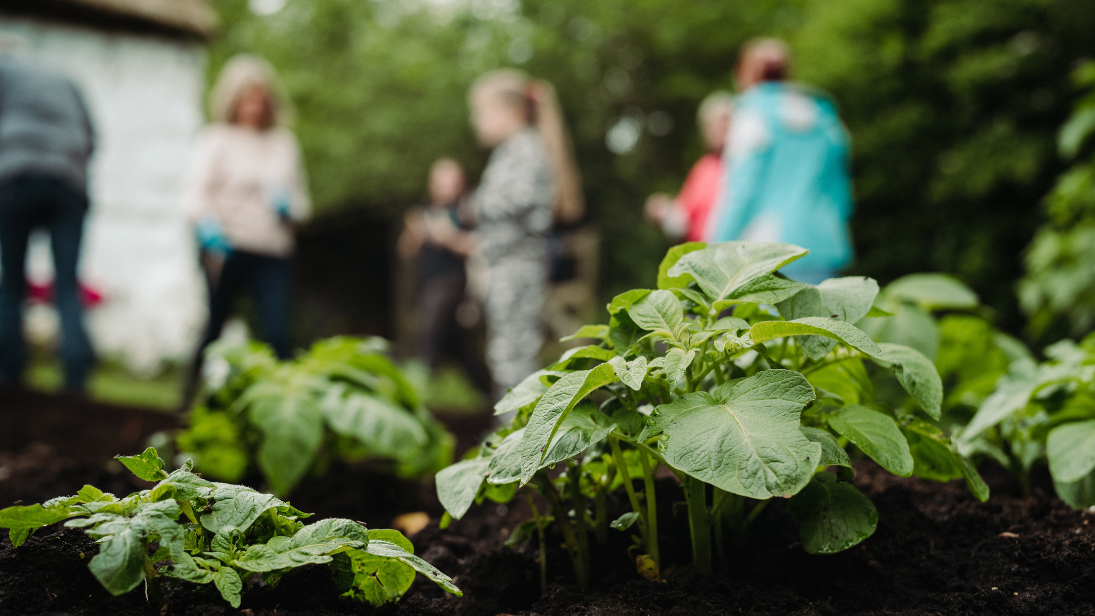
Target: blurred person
787,167
245,192
531,181
686,216
46,138
438,237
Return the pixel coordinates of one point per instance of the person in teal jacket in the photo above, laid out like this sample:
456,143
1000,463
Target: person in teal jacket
786,170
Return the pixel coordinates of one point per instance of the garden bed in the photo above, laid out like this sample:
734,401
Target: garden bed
936,551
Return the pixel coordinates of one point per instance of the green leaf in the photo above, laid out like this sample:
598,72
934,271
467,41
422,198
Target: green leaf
832,516
846,299
505,464
457,485
376,579
974,482
729,324
665,281
19,535
237,507
146,465
876,312
527,392
388,549
229,584
625,300
677,363
524,531
586,352
1079,494
625,521
312,544
583,427
286,409
553,408
124,542
599,332
765,289
832,454
384,427
876,434
630,373
818,326
721,269
743,437
846,378
917,374
932,452
1070,448
660,311
1013,392
181,485
623,332
910,325
933,292
33,516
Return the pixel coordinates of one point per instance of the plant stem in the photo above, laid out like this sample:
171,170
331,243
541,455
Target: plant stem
543,544
720,378
601,510
756,511
581,519
621,467
651,511
699,525
153,592
719,499
573,550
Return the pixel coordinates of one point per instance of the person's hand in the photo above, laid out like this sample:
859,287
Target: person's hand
439,228
280,202
658,206
211,236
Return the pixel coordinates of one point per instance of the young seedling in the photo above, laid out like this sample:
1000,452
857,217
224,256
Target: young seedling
342,399
204,532
746,385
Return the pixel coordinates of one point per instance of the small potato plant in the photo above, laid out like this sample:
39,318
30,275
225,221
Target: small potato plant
746,385
204,532
342,399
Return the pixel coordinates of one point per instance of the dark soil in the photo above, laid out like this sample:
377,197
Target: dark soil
937,551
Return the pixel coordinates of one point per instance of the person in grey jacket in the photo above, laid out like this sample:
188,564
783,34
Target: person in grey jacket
46,138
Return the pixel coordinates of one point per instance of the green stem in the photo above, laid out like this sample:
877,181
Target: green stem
720,499
601,509
152,586
621,467
543,544
573,550
756,511
651,511
657,456
783,349
699,525
720,377
574,473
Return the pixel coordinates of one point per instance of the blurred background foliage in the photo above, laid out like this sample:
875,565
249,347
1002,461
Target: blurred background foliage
954,108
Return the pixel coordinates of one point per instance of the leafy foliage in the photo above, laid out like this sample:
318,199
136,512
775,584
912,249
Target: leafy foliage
343,398
1060,281
741,408
203,532
1044,413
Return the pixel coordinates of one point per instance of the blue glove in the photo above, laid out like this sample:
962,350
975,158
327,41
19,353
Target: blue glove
212,237
280,202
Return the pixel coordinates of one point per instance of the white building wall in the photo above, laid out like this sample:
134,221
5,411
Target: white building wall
144,92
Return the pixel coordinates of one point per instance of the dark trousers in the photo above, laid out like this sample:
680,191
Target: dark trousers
269,280
440,336
27,204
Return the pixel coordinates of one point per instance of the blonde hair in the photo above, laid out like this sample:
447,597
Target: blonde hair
719,101
241,72
541,107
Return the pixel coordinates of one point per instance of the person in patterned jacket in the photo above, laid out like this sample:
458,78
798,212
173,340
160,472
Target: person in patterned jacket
530,182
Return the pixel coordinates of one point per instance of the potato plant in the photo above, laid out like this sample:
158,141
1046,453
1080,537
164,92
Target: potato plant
1044,413
192,529
342,399
746,385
